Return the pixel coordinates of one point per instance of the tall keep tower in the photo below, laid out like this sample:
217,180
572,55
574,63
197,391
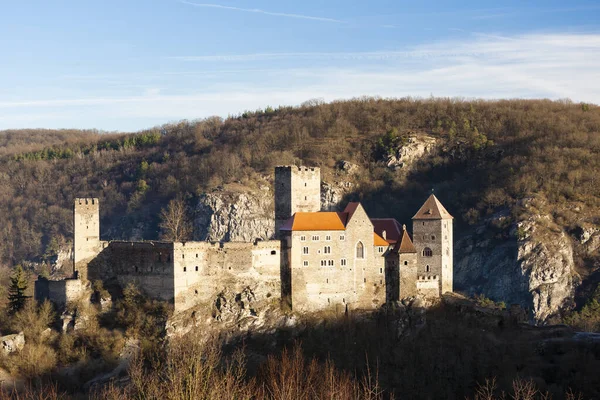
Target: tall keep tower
86,234
432,237
296,189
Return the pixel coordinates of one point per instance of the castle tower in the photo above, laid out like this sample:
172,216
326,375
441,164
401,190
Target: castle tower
296,189
432,236
86,234
401,269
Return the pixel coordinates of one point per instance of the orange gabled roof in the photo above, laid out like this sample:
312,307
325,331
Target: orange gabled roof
316,221
379,241
432,209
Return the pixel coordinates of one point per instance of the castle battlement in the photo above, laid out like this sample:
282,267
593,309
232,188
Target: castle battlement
86,201
428,277
297,167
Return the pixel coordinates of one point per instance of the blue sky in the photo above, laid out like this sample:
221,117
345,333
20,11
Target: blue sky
131,64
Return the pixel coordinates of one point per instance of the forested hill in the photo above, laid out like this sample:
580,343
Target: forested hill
494,154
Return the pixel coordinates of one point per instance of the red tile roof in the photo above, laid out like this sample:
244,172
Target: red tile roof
391,227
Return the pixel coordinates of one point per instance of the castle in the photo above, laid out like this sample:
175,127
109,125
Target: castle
319,259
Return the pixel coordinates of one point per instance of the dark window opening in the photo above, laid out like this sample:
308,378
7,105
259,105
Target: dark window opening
273,252
427,252
184,269
405,262
360,250
196,268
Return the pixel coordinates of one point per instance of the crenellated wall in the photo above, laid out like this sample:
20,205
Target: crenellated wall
428,285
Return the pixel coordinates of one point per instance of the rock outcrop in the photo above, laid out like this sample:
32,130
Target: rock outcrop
12,343
232,216
406,155
533,267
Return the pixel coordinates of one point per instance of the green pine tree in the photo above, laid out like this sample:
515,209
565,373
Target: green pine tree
16,291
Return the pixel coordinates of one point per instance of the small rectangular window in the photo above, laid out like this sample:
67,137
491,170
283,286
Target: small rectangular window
302,238
323,263
343,262
327,250
305,250
330,263
342,237
184,269
315,238
328,237
305,263
196,268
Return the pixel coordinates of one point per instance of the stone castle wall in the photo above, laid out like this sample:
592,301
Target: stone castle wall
148,265
61,292
203,270
428,285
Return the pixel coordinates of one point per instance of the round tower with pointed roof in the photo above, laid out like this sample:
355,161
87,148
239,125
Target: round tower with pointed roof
432,237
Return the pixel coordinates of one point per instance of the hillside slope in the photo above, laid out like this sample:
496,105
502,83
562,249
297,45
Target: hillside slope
516,175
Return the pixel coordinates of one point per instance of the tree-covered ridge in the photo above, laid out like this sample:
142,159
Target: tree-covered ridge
492,154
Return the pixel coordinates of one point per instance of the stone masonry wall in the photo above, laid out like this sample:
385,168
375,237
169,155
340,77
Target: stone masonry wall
148,265
203,270
428,286
437,236
86,230
297,189
319,278
408,275
60,292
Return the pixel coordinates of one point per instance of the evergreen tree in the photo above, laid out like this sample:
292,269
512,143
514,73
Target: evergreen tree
16,291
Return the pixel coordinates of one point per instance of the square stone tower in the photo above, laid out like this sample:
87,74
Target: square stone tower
297,189
432,237
86,234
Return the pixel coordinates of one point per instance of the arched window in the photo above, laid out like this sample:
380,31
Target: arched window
428,269
427,252
360,250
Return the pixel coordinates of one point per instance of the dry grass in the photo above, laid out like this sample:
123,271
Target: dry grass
196,370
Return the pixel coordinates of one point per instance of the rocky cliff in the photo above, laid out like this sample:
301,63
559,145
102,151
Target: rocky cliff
533,265
227,215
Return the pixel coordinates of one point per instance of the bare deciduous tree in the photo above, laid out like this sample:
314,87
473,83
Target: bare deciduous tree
175,223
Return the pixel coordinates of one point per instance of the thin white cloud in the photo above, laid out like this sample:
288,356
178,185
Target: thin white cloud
259,11
528,66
